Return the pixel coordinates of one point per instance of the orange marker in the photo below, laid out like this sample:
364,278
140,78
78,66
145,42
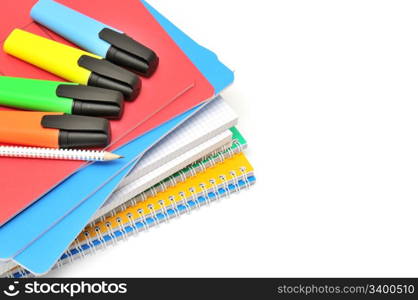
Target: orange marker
53,130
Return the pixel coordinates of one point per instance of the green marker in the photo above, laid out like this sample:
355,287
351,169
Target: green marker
53,96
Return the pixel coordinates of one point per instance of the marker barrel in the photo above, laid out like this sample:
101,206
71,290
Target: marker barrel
53,96
49,55
53,130
31,94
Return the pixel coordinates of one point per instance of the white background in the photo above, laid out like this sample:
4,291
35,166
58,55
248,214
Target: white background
327,93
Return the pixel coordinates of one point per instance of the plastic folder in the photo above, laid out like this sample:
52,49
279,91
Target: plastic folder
61,220
176,80
35,249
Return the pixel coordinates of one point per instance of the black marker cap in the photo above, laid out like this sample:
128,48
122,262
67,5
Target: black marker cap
126,52
93,101
79,131
110,76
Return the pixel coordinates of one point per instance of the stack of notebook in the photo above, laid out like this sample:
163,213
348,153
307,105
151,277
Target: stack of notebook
180,154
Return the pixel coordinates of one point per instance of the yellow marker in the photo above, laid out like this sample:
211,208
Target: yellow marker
71,63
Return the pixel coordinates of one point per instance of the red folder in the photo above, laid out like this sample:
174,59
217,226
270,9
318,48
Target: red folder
176,87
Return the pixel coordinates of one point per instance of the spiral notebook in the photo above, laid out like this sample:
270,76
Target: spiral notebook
125,193
214,183
129,191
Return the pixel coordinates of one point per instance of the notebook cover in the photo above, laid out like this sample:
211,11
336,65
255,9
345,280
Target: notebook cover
19,223
184,86
121,196
210,121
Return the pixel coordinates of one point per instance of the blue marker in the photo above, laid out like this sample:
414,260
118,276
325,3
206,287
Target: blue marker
95,37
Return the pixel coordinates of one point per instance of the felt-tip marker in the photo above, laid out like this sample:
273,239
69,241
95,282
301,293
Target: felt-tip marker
71,63
53,96
96,37
53,130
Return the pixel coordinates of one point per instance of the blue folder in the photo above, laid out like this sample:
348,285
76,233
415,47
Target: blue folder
48,227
